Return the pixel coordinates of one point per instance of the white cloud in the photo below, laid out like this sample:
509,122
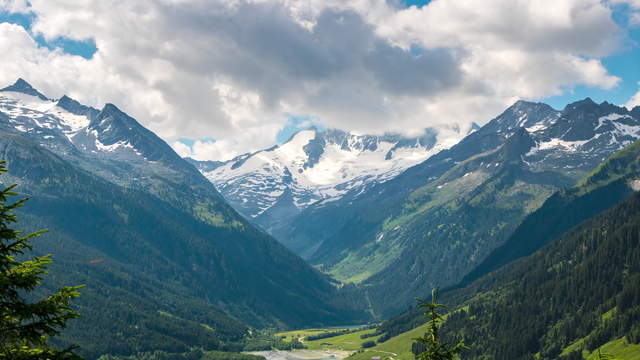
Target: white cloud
209,149
206,150
231,70
634,101
182,149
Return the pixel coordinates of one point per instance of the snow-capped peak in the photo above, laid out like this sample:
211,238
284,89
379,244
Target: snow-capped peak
581,133
314,166
21,86
63,123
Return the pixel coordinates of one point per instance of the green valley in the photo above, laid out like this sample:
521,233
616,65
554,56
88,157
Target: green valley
529,225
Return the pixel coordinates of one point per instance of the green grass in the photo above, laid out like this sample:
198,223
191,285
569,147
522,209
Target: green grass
609,314
365,262
347,342
399,348
620,350
396,348
573,347
215,218
348,273
609,167
164,313
290,335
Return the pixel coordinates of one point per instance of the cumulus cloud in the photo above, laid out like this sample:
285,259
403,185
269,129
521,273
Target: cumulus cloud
633,101
232,70
207,149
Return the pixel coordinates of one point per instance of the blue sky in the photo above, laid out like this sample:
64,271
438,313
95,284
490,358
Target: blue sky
417,3
624,64
85,48
295,124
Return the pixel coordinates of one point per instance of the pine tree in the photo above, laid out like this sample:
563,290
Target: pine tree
434,349
25,326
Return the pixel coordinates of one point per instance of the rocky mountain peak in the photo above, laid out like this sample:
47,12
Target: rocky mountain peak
582,119
110,110
24,87
76,108
67,125
521,114
581,104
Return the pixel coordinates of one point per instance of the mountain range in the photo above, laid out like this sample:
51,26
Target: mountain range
272,186
567,285
179,254
433,223
168,264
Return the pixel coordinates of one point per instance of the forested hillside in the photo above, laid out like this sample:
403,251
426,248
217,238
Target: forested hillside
577,294
167,263
611,182
574,297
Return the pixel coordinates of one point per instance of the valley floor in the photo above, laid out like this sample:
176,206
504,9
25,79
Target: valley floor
396,348
349,347
303,354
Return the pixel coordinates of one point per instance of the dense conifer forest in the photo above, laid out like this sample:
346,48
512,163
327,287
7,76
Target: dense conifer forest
579,293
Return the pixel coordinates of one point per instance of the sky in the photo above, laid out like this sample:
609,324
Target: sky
218,78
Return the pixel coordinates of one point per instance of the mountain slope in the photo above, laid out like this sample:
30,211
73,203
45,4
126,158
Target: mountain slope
577,294
551,301
612,182
439,219
99,251
168,265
